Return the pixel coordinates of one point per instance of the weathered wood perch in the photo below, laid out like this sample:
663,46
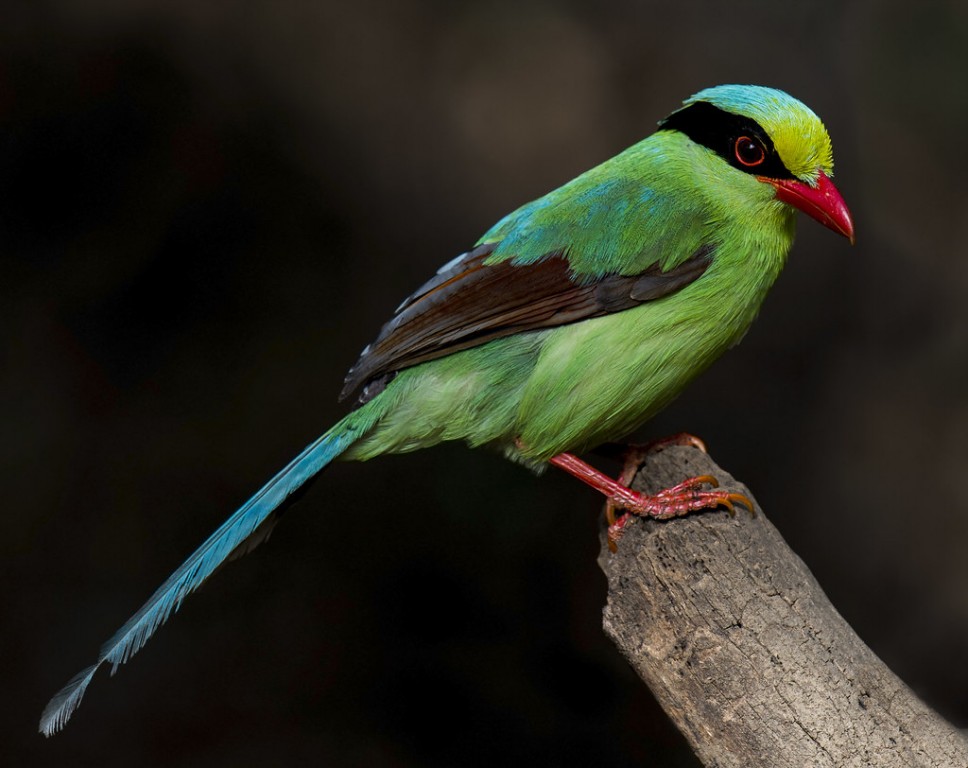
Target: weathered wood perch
746,654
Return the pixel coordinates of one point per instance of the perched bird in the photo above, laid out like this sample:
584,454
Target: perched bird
572,320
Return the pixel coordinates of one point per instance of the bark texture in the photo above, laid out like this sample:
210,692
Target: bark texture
744,651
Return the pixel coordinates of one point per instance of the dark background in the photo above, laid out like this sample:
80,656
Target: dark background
207,209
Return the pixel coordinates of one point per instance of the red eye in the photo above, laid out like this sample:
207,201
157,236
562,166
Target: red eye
749,151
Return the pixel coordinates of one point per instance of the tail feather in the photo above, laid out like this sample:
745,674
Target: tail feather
230,539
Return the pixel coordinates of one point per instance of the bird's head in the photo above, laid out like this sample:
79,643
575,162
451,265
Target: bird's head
773,137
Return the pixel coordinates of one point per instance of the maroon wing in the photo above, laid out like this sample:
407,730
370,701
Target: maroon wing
469,303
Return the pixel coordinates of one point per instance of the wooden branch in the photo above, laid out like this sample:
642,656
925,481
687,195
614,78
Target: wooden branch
746,654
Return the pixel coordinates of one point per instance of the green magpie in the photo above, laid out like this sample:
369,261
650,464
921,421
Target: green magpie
572,321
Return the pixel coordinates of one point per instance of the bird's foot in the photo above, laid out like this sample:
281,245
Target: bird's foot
634,455
688,496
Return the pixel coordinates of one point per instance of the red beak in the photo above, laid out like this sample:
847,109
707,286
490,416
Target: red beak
821,202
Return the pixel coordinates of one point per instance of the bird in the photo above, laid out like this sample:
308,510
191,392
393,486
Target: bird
570,323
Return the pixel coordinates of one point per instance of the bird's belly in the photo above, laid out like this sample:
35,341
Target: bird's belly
598,380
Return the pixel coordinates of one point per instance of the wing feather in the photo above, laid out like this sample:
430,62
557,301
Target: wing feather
471,302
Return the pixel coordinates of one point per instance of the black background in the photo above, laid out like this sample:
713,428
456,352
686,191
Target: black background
207,209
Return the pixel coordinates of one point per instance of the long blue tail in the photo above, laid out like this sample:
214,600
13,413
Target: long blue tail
228,539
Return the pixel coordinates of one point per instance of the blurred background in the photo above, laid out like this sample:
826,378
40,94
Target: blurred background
208,208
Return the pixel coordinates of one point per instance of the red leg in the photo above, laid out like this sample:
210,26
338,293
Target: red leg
633,456
679,500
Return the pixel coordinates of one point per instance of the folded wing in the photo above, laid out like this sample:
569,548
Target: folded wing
470,302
